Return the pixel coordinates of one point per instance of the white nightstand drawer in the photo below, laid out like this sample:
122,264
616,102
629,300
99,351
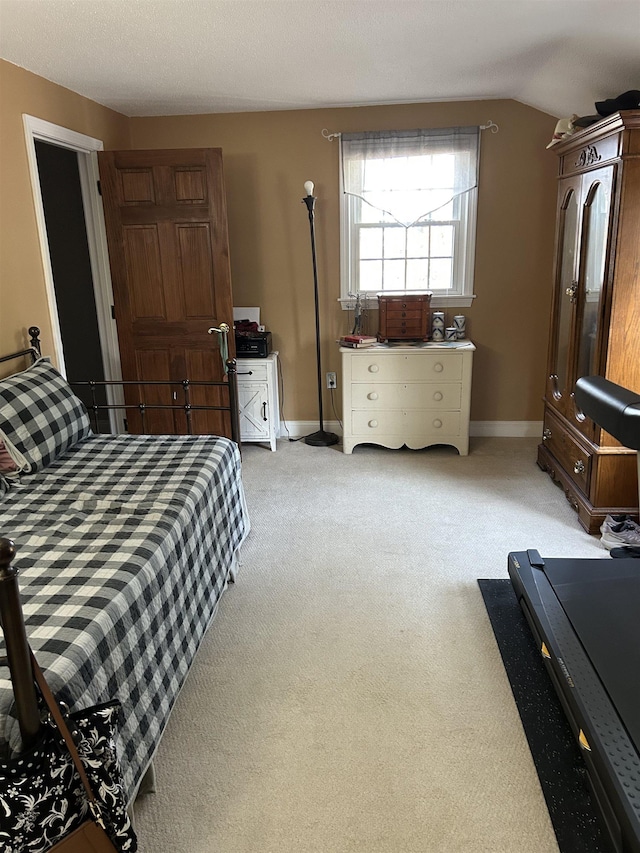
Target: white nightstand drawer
251,368
405,423
418,366
396,395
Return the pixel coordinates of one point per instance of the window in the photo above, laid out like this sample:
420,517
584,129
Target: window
409,212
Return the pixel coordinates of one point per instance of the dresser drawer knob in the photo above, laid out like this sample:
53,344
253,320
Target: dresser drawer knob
372,396
437,423
373,424
578,468
438,367
373,368
438,396
546,434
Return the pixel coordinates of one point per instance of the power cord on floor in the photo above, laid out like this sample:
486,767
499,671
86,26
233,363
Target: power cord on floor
281,413
281,395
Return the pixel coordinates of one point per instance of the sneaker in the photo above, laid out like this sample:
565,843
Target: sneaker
625,551
617,533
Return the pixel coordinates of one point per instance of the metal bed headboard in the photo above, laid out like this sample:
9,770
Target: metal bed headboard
18,656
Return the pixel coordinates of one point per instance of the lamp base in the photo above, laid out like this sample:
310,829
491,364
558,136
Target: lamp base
322,438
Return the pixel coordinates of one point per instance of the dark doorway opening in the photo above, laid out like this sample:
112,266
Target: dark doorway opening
61,190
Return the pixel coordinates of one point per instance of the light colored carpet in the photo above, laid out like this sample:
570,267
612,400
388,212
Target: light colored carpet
349,696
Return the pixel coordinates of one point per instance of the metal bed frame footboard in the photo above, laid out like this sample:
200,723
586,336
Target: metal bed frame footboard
18,656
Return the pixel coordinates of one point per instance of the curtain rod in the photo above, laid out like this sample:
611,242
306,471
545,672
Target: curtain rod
490,125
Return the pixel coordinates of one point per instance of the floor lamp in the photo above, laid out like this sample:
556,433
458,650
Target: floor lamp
321,438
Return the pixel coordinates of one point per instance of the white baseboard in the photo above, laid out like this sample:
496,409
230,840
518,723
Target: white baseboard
300,428
506,429
497,429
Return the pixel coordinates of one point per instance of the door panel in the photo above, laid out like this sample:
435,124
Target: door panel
596,219
566,290
166,221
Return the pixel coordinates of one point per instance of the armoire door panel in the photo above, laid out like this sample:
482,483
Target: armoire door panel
565,294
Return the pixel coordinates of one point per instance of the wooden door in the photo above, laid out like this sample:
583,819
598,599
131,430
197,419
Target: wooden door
166,223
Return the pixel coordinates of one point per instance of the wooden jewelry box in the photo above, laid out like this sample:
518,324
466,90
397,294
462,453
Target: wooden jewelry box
404,316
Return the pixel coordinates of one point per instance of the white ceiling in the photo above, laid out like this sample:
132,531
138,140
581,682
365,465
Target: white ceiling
170,57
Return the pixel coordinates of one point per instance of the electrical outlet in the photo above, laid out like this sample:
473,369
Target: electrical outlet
331,380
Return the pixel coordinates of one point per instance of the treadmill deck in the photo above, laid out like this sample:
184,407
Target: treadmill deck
585,615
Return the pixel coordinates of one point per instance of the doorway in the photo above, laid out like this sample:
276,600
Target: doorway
64,177
61,192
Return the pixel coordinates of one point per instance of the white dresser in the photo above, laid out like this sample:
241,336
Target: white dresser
415,395
258,404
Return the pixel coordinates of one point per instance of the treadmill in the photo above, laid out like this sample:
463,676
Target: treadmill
585,617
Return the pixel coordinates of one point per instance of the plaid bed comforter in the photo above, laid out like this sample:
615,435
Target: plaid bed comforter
125,544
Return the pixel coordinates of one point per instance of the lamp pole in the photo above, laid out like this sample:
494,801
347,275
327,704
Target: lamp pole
321,438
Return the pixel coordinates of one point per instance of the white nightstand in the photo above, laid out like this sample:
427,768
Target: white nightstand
258,401
415,395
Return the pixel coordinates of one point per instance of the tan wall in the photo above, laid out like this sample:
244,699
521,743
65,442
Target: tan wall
267,159
23,300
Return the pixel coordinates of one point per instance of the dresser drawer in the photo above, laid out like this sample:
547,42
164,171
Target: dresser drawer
408,424
574,459
434,397
421,366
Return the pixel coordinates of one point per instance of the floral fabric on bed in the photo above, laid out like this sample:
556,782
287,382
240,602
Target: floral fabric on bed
40,416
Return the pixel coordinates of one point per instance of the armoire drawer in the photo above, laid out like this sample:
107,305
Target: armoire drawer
574,459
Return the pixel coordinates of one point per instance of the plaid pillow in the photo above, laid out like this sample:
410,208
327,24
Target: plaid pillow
40,416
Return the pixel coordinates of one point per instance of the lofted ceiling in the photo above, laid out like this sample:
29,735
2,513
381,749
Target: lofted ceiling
178,57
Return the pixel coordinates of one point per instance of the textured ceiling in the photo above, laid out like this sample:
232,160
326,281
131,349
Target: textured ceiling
170,57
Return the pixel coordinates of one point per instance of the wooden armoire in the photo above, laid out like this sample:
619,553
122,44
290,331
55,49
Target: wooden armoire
595,319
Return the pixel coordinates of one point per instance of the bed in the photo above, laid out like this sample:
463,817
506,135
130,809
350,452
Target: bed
125,544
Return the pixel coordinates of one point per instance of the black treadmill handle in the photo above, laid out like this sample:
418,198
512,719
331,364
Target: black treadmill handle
612,407
534,558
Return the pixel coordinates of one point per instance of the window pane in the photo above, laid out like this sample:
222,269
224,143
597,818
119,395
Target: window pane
442,241
417,275
440,274
370,243
393,275
394,242
370,275
418,241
